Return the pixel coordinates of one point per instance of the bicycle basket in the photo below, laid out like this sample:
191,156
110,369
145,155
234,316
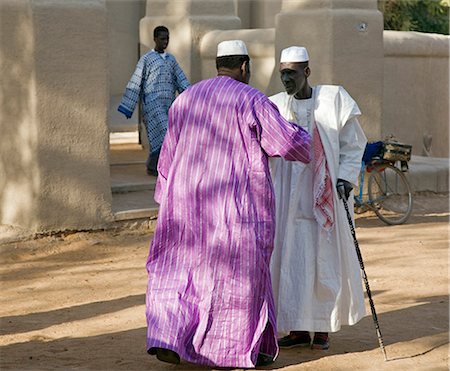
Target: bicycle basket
394,151
373,149
387,150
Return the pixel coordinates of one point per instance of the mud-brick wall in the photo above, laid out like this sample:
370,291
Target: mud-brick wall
416,91
54,169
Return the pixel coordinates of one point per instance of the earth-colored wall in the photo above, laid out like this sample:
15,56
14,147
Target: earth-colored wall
54,172
188,21
123,40
257,13
61,61
416,91
123,53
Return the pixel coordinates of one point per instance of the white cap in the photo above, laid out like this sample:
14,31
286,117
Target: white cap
231,47
294,54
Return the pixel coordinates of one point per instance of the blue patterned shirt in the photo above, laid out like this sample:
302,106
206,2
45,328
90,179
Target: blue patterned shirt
156,80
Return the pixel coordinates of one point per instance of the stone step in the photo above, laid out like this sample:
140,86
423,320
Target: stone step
150,213
133,189
130,177
429,174
134,205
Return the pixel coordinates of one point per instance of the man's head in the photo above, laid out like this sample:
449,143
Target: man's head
233,60
294,71
161,38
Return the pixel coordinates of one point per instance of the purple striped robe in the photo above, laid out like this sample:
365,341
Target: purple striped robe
209,295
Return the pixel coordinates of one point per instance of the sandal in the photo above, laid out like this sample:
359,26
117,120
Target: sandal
165,355
321,341
295,339
264,359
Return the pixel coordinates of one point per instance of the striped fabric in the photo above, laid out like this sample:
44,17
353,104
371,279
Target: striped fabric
156,80
209,295
322,188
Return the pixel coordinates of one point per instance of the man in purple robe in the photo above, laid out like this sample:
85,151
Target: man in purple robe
209,298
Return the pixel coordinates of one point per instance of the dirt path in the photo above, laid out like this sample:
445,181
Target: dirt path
76,302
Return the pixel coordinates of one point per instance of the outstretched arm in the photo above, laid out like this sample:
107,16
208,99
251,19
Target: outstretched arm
181,80
279,137
133,90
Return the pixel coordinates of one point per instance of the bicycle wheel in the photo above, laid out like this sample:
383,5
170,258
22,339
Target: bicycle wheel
389,194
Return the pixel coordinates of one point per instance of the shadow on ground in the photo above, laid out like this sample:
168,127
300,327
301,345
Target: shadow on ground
430,318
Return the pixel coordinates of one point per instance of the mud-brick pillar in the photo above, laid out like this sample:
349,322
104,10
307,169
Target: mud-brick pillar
54,166
345,42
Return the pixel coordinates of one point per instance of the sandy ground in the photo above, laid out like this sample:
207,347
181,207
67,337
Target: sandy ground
76,301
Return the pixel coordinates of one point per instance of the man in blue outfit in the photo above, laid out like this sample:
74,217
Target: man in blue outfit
156,79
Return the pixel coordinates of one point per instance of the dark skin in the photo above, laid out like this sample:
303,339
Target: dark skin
294,76
161,41
241,74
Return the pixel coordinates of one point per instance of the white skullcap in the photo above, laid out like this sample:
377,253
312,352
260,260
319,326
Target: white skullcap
231,47
294,54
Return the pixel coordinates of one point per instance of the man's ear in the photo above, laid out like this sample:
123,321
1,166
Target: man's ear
307,71
245,67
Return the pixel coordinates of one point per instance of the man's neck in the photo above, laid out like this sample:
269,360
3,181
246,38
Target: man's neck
304,93
234,74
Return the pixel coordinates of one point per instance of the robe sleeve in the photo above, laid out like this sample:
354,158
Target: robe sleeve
352,142
133,89
277,136
182,83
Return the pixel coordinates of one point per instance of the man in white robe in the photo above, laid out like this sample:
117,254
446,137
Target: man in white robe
315,271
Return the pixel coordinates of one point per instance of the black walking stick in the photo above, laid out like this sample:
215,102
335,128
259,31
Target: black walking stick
366,281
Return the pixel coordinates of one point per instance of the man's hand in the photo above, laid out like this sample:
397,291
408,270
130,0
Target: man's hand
343,188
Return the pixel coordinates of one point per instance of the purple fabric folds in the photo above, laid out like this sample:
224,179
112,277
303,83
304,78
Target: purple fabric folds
209,295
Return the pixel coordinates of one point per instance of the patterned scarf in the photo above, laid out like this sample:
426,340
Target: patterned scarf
322,186
323,207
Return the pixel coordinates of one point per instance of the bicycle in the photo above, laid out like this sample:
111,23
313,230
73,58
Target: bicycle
388,191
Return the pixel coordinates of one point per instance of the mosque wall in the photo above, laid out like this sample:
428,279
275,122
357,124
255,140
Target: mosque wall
19,170
62,61
188,21
54,168
416,91
257,13
123,53
258,18
123,40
